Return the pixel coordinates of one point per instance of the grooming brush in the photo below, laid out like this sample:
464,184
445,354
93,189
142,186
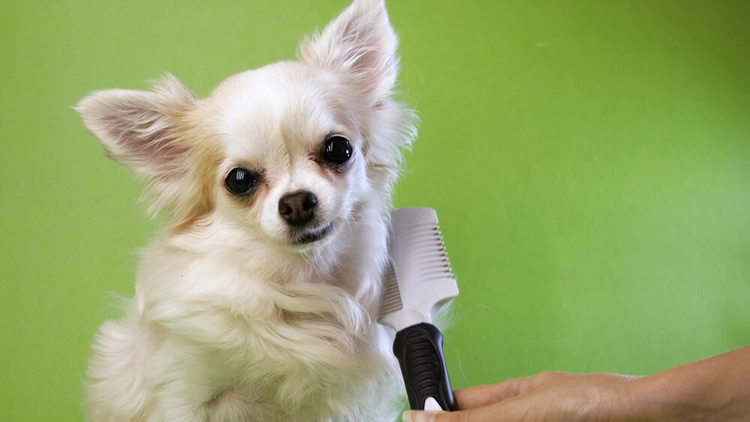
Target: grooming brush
418,282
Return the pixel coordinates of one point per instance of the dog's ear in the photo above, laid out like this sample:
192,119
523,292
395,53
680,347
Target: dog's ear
153,133
361,43
138,128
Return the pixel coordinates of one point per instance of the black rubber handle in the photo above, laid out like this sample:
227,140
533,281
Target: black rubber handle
419,350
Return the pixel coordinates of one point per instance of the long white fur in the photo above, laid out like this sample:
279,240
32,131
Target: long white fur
231,320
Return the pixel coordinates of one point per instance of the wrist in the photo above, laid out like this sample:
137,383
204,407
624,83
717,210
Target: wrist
631,401
632,398
651,399
716,388
663,397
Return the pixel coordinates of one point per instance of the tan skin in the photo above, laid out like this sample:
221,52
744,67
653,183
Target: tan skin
714,389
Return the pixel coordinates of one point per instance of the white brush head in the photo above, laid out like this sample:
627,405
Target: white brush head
420,279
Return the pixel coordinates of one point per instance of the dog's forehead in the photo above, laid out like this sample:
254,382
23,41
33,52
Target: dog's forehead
280,104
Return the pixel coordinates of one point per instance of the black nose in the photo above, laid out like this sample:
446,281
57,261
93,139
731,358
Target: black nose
298,208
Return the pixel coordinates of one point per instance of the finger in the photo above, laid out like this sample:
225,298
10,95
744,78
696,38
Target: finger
418,416
493,413
483,395
477,396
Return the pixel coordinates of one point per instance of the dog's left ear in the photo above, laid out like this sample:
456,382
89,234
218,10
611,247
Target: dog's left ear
137,128
147,132
361,43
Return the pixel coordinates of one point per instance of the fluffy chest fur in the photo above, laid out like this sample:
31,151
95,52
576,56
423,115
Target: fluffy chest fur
232,344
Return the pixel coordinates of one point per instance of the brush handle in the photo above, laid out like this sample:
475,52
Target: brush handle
419,350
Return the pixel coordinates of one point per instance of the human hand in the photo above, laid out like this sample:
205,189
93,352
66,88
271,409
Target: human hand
549,396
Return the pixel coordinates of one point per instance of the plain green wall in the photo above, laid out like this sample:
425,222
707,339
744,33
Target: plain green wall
589,161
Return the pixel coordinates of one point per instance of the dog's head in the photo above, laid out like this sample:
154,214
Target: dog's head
287,153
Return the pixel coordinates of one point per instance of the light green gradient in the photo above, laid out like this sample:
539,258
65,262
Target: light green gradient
589,161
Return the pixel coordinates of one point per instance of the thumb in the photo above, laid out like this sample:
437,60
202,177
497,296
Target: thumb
419,416
491,413
457,416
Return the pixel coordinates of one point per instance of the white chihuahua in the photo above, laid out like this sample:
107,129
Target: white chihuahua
259,302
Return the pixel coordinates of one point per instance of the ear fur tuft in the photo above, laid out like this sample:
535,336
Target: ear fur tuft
146,131
360,43
137,127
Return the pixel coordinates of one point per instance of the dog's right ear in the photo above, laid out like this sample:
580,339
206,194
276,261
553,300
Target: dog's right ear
361,43
139,128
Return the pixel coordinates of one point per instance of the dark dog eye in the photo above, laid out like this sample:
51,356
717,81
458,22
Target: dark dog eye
337,150
240,181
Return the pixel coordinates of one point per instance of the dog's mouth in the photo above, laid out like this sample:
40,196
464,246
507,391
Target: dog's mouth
313,235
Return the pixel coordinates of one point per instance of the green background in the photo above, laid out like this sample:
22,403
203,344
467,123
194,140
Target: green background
589,161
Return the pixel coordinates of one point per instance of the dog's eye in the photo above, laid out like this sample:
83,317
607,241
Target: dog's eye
337,150
240,181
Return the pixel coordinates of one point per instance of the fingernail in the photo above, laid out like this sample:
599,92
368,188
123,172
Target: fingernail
411,416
